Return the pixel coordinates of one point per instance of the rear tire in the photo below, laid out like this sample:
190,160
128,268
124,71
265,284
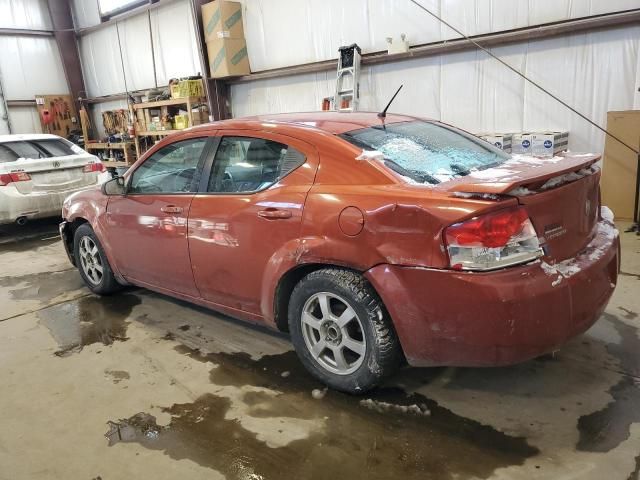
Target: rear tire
92,262
341,330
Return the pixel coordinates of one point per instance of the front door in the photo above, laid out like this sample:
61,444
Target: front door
250,214
148,226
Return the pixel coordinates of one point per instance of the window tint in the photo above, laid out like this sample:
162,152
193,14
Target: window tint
245,164
175,168
57,148
25,150
427,152
6,154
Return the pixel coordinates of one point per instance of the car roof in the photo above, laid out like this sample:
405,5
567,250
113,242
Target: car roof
330,122
27,137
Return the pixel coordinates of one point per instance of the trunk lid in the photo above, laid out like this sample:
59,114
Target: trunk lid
53,174
561,196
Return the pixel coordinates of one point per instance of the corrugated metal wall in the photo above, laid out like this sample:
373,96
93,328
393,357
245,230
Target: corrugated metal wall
28,65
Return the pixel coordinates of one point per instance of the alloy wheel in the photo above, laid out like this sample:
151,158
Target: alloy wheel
333,333
90,260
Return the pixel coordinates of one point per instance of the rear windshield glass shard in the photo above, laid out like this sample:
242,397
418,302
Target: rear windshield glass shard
428,152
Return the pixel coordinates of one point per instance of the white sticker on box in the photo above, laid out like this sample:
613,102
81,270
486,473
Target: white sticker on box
223,34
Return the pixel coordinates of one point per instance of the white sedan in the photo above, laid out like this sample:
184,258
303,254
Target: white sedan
37,172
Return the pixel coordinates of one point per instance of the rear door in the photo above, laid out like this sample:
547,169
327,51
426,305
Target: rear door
147,227
250,214
52,164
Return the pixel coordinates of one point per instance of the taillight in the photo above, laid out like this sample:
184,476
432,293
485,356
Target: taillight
7,178
93,167
491,241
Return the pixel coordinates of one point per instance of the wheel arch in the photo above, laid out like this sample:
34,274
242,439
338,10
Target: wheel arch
68,234
287,283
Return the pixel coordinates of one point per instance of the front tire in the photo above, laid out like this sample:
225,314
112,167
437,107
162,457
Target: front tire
341,331
92,262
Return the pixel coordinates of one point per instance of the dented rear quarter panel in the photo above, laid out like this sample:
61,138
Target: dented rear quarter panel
403,223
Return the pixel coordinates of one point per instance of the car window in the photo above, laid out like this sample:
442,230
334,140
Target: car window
247,164
56,148
427,152
6,154
25,150
175,168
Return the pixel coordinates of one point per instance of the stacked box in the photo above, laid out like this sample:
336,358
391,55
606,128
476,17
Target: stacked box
521,143
224,35
501,140
187,88
548,144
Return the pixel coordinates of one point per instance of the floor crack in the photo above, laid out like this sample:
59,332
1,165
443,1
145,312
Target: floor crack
45,307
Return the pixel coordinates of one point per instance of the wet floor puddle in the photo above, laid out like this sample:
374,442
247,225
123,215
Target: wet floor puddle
43,286
386,434
605,429
88,320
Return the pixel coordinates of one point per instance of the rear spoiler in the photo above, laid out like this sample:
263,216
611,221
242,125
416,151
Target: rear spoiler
519,171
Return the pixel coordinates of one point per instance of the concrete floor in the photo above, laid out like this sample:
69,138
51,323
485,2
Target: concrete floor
142,386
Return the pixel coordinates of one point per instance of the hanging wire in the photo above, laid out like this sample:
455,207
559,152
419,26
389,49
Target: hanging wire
153,53
124,74
518,72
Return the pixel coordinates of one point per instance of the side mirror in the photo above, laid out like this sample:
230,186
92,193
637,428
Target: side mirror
115,186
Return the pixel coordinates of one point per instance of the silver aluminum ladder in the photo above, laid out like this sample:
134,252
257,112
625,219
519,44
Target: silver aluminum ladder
347,94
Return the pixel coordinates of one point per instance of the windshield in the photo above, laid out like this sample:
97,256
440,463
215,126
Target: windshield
427,152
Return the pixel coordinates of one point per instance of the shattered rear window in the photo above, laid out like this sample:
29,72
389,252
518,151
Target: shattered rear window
427,152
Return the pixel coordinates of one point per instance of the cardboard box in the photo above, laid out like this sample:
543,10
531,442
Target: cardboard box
521,143
180,122
501,140
187,88
222,19
228,57
548,144
619,164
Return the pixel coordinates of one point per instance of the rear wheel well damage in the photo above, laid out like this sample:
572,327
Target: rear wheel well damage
286,285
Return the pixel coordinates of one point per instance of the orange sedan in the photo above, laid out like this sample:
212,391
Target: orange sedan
373,241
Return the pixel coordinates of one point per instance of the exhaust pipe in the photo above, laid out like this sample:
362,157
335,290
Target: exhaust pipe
21,220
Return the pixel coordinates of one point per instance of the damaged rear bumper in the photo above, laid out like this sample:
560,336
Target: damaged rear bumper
452,318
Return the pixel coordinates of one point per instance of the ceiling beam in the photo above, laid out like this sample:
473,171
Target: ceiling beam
25,32
217,91
21,103
62,20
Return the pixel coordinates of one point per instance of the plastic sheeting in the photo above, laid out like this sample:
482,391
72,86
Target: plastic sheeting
30,66
290,32
596,72
85,13
27,14
24,120
174,47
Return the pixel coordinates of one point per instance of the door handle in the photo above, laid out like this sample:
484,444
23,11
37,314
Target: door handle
171,209
274,213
